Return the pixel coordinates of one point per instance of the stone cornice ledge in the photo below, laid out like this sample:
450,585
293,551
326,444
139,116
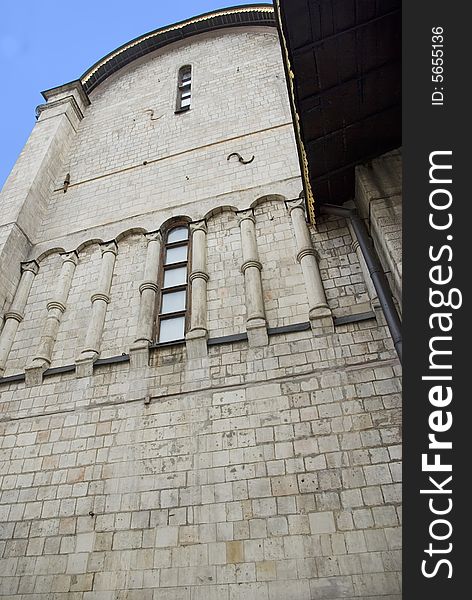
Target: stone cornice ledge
73,88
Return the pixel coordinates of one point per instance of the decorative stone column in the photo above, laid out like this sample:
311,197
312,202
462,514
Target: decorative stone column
374,299
139,351
256,325
15,315
319,312
55,307
196,338
100,300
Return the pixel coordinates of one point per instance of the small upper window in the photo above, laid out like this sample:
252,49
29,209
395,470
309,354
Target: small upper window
184,89
173,298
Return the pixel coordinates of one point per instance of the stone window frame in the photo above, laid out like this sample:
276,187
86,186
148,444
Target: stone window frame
184,87
163,267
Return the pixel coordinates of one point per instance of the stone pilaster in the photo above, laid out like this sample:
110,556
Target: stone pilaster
256,325
139,351
319,312
15,314
55,307
100,299
196,338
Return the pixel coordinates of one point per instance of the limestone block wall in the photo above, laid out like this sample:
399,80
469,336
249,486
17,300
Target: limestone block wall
234,482
265,468
73,326
122,314
236,107
345,284
285,294
226,312
224,64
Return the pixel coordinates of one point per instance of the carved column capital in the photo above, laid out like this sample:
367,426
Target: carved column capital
154,236
244,215
71,257
198,226
109,247
296,203
31,266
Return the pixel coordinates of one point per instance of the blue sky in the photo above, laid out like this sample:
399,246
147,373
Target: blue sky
44,44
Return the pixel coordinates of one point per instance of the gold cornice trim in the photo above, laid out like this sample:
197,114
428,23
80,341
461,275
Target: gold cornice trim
310,200
262,9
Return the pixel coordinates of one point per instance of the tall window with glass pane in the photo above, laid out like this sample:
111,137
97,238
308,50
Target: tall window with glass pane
173,299
184,91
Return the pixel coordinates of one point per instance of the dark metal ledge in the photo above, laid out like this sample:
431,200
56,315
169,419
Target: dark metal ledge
121,358
13,378
288,328
227,339
59,370
365,316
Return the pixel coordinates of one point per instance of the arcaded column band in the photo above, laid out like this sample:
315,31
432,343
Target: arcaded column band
15,315
256,324
139,351
55,307
100,300
196,338
319,311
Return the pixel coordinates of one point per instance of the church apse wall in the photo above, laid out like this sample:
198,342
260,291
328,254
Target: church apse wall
199,398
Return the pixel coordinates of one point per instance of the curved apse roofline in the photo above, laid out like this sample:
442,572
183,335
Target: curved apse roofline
245,15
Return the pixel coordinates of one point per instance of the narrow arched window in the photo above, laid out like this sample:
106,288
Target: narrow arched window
174,277
184,89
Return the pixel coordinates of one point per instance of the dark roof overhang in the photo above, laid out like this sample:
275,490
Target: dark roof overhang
343,67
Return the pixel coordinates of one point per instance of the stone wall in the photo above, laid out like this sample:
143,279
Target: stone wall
262,465
236,107
285,298
264,473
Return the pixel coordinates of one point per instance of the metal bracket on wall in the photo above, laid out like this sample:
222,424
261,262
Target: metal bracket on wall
66,183
151,112
240,158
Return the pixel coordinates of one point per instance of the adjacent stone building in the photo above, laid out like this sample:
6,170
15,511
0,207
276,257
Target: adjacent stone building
199,397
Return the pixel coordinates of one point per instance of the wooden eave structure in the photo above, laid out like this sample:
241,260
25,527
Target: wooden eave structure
343,66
